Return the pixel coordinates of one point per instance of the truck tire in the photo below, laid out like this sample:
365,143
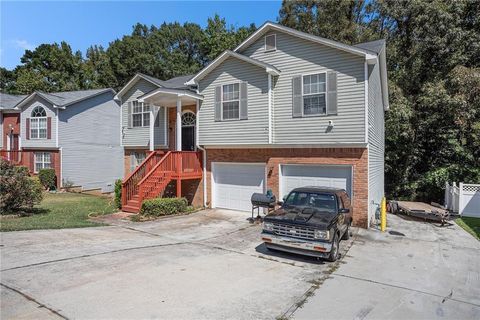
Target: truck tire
335,249
346,235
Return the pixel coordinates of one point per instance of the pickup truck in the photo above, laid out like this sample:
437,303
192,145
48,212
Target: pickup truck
311,221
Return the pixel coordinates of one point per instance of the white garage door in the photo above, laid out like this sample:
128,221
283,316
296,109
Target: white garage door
233,184
295,176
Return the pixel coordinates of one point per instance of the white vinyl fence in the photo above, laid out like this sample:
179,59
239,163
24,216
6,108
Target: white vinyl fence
464,199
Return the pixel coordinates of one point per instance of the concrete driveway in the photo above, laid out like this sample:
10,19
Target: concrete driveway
206,265
210,265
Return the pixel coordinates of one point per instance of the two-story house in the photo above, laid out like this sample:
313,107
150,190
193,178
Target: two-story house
74,132
284,109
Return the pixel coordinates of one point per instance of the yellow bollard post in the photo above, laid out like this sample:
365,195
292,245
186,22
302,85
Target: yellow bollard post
383,215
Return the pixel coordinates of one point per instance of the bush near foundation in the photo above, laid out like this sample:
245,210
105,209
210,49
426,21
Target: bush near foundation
17,189
118,193
48,178
163,206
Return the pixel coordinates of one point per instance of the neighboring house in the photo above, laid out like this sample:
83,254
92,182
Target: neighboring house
74,132
284,109
9,122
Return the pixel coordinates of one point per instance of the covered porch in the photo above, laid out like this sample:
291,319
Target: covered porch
173,158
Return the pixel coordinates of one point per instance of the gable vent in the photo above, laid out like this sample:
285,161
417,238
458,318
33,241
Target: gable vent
270,42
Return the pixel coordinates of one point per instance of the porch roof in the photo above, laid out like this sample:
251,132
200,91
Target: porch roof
168,97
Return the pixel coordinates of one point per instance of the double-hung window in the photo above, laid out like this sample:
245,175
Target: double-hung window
231,101
38,123
42,161
140,114
314,94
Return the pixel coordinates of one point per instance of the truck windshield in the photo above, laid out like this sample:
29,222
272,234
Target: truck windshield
321,201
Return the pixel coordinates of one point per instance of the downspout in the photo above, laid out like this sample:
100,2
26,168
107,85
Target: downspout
204,153
270,135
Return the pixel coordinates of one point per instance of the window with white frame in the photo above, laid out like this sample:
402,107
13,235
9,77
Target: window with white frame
140,114
314,94
38,123
42,161
231,101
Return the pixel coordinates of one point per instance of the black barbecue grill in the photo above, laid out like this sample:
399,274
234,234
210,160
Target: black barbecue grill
260,200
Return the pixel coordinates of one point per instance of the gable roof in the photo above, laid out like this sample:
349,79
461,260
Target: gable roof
63,99
374,46
9,101
178,82
267,26
227,54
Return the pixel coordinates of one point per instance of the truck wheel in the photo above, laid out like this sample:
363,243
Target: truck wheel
335,249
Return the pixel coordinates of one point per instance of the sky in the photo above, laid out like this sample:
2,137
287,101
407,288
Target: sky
25,25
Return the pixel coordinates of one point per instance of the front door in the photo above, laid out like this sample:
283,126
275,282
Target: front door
188,138
188,131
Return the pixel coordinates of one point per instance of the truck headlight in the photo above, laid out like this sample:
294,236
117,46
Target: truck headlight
267,226
321,234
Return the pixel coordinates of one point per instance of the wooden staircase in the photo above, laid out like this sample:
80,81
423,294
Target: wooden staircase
150,179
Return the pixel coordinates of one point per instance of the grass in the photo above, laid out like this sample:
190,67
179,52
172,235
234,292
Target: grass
60,210
471,225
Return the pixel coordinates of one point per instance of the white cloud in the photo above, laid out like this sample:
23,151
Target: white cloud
23,44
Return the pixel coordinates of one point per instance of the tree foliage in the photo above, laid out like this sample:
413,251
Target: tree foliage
433,57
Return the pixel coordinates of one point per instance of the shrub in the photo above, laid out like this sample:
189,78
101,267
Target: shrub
118,193
68,185
163,206
17,189
48,178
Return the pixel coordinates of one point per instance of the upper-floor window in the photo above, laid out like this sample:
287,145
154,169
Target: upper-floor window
140,114
38,123
314,94
231,101
270,42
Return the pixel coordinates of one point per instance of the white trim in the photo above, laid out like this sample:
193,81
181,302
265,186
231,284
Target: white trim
214,185
312,94
8,141
222,101
175,92
286,145
369,205
150,128
270,134
365,68
131,83
56,128
226,54
121,122
178,125
165,122
334,44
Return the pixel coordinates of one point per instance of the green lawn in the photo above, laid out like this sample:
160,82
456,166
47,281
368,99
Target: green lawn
471,225
61,210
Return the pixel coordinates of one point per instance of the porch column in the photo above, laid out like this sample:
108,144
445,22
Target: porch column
179,125
152,120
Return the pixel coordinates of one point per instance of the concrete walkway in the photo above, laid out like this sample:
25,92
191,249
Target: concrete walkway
429,273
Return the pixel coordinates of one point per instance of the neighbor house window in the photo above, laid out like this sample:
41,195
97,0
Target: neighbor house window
38,123
140,114
137,159
42,161
314,94
231,101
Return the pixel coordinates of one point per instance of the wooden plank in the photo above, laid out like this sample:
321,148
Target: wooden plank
419,206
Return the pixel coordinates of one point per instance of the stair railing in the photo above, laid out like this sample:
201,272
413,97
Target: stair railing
158,177
130,184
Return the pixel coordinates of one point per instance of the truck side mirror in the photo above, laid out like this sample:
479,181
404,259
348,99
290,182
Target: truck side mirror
280,203
344,210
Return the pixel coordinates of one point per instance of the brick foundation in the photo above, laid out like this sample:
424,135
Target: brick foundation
356,157
56,158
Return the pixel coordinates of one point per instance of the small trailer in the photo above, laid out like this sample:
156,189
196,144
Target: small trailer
419,210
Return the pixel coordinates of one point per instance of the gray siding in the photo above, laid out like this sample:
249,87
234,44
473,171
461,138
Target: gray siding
253,130
135,137
296,56
27,113
376,140
90,143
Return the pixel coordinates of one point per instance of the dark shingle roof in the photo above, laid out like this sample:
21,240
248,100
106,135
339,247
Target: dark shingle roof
8,101
65,98
374,46
178,82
